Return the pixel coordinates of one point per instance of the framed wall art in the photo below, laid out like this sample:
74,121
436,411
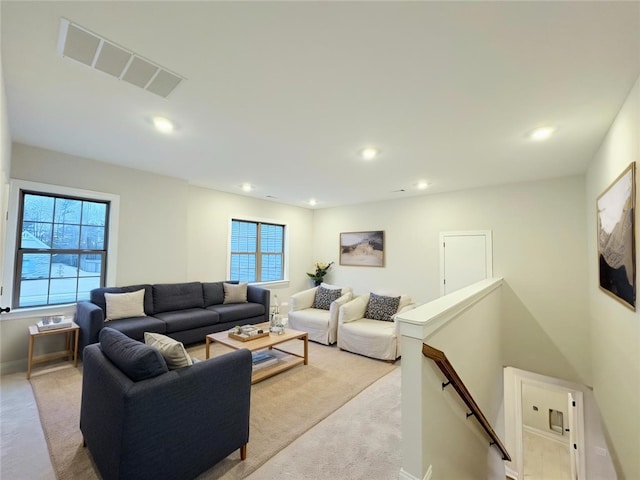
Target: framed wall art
362,249
616,238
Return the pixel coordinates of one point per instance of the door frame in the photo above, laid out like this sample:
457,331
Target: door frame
513,409
467,233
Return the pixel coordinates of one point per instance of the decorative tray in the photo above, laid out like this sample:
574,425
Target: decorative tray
243,337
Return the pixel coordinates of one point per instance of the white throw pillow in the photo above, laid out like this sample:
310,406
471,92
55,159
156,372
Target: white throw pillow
172,350
124,305
235,293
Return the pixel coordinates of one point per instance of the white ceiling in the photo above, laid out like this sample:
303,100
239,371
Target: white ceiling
284,94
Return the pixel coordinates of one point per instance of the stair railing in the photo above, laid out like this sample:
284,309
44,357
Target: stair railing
454,380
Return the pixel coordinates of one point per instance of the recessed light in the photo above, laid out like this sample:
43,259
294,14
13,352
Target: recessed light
313,202
369,153
422,185
163,124
541,133
247,187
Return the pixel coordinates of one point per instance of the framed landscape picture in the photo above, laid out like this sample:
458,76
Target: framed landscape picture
616,238
363,249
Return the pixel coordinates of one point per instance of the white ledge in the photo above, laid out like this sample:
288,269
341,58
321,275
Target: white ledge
423,321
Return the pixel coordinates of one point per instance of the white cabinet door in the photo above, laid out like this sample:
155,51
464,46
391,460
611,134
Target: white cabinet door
465,258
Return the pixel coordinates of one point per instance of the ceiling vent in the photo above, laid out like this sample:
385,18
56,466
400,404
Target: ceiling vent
96,52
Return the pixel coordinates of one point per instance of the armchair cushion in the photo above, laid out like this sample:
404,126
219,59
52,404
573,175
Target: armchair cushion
382,308
172,350
136,360
324,297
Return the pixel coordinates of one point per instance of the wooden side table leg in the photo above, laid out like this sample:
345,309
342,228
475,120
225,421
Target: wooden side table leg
30,358
67,344
75,348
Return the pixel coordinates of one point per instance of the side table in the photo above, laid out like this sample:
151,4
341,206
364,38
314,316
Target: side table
71,350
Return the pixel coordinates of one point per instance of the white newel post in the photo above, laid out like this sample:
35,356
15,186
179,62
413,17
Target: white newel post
414,463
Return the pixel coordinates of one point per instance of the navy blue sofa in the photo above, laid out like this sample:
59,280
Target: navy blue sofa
141,421
186,312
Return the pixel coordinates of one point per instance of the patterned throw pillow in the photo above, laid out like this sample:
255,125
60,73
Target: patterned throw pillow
382,308
324,297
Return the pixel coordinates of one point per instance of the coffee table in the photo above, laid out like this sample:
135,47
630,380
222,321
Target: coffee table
286,360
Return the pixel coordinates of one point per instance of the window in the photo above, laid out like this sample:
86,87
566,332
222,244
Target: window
257,251
61,243
61,249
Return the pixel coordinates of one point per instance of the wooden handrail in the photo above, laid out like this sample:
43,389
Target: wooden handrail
445,366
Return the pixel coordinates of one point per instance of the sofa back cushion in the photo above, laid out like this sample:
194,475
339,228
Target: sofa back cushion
97,296
135,359
213,293
168,297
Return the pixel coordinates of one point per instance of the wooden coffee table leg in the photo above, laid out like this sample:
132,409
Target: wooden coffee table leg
306,349
207,347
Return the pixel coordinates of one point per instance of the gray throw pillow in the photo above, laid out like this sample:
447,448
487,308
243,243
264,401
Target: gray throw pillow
325,296
381,307
235,293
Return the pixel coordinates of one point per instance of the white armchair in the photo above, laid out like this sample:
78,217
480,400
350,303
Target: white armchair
367,336
320,324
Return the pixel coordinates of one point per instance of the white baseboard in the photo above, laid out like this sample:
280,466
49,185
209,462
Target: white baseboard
404,475
560,439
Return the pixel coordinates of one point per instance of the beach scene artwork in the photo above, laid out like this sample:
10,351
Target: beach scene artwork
364,249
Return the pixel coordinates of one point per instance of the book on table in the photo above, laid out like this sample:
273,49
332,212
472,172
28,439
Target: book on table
262,359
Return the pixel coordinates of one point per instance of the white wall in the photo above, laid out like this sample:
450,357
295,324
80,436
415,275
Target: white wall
615,329
209,216
544,399
152,244
538,248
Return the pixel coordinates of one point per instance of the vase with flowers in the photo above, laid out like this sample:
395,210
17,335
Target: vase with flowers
321,270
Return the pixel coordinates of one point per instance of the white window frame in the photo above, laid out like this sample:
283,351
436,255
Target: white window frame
16,187
285,249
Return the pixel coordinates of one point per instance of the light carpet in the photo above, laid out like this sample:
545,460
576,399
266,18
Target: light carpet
283,407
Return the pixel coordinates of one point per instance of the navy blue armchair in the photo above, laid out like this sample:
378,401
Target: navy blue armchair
174,425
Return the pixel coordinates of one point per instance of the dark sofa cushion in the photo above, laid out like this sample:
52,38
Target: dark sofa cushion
169,297
231,312
136,360
136,326
213,293
188,319
97,296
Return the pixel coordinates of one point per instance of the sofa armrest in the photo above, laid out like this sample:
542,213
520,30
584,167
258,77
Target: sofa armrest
302,300
353,310
334,309
90,319
260,295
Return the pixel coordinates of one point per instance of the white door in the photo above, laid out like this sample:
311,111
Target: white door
465,258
